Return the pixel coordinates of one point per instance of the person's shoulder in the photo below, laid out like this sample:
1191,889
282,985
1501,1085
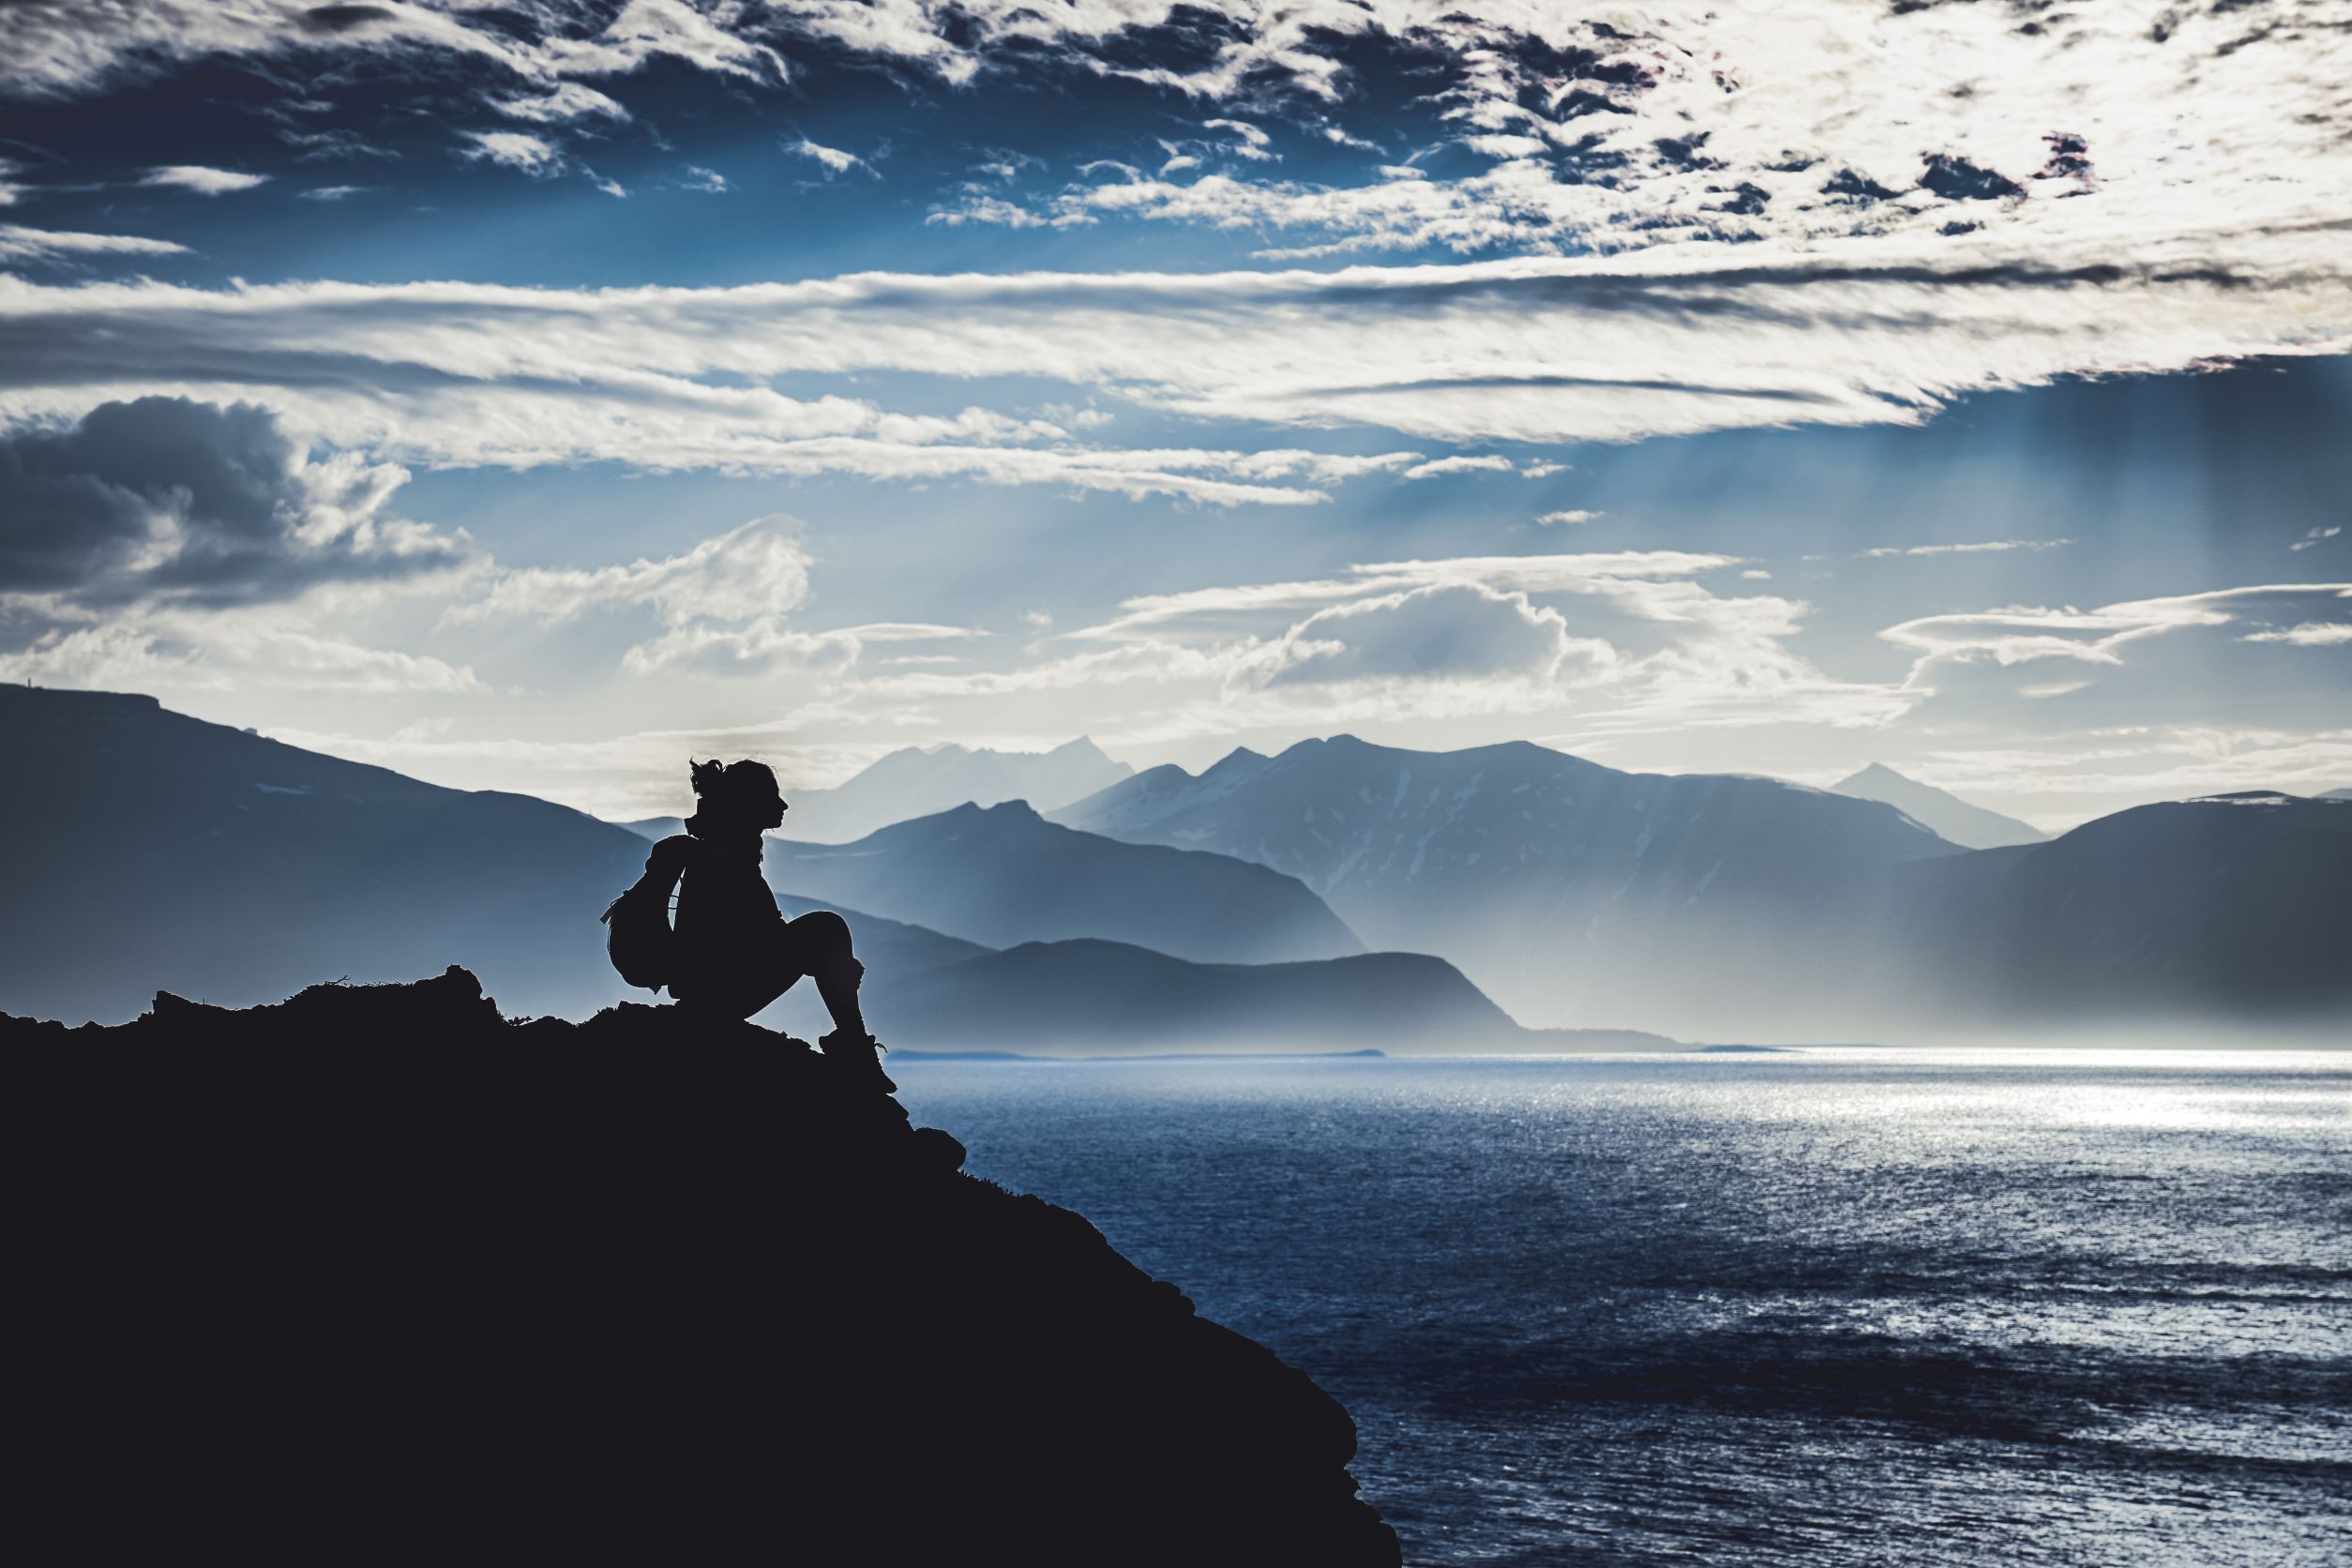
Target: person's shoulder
673,850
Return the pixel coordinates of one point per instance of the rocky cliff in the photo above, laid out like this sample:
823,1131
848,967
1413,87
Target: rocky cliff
377,1273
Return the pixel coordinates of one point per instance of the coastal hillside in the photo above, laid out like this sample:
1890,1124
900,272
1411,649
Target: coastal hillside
375,1272
2229,907
153,850
1104,998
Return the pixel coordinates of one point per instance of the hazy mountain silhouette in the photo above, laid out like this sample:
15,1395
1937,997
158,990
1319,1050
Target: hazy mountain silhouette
1571,893
377,1275
1099,997
1002,875
150,849
918,781
2334,794
1971,827
157,850
2229,907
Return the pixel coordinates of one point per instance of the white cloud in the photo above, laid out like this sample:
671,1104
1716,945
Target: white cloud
1624,643
515,149
725,605
2308,634
765,643
1569,518
2123,765
1798,123
330,192
756,648
76,46
1443,631
566,101
1489,463
2020,634
707,180
835,161
20,244
1550,351
1255,143
275,649
203,181
1795,123
1993,547
757,570
2313,536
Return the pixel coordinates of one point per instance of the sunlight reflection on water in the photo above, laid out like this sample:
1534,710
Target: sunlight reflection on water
1828,1306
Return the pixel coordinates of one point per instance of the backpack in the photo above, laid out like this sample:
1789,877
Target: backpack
638,938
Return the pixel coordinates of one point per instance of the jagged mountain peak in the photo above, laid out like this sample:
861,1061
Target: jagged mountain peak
1962,823
920,781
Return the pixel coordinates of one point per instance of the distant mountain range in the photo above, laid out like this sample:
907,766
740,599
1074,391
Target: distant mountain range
921,783
1723,907
1571,893
149,850
1002,875
2233,905
1971,827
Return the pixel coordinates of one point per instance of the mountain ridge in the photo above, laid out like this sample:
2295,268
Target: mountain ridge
1570,891
213,862
922,781
1962,823
1019,877
2177,910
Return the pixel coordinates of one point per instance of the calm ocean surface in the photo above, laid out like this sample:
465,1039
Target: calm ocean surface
1830,1308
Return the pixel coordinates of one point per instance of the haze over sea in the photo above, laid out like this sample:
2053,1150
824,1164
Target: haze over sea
1842,1306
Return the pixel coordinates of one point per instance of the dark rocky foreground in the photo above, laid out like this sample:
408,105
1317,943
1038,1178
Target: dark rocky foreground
376,1273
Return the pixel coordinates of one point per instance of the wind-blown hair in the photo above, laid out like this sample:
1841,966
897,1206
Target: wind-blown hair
728,795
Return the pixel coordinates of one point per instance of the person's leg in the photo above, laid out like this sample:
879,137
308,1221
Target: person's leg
818,942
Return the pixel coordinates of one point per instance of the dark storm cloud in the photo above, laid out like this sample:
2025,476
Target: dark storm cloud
167,499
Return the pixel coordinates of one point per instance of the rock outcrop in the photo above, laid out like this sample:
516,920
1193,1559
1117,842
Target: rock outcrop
378,1275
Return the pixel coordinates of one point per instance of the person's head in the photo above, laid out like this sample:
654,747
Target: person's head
735,797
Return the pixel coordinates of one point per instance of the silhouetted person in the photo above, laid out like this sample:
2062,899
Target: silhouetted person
735,952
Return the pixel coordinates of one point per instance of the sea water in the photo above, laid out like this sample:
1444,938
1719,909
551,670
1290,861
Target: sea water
1827,1307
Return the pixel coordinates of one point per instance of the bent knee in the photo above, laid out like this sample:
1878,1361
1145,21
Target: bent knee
822,929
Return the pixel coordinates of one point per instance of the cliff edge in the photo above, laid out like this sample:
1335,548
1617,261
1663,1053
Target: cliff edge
377,1273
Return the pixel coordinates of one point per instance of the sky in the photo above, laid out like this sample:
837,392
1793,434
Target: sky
530,396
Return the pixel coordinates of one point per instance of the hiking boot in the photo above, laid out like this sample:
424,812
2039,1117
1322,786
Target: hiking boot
859,1057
